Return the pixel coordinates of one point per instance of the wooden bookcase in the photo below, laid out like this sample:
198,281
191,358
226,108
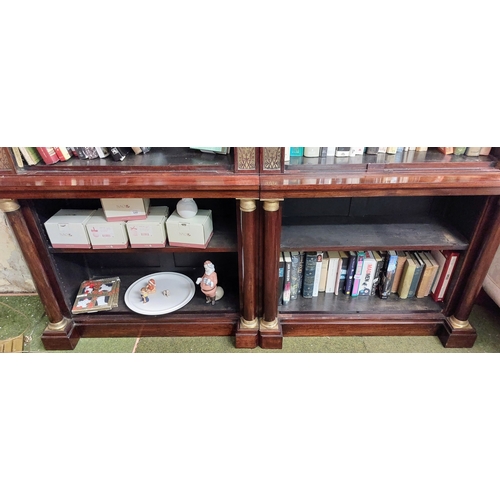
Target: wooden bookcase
408,201
261,206
227,186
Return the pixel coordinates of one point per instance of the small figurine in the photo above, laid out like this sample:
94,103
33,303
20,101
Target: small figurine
208,284
166,293
151,286
144,295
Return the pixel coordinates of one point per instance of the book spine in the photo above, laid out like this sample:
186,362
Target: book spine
367,275
351,268
48,155
451,258
317,275
309,273
288,276
357,273
301,272
281,278
416,275
388,274
294,275
378,271
62,153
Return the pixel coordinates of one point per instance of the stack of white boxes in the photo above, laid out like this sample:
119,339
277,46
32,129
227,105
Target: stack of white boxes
194,232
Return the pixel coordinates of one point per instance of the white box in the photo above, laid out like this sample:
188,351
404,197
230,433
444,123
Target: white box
105,234
194,232
150,232
66,229
117,209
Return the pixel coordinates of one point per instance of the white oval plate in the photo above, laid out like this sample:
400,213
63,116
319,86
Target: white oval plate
180,287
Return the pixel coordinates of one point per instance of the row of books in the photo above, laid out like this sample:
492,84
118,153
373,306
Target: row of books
366,273
50,155
340,152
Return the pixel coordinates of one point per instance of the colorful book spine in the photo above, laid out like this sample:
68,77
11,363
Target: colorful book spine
357,273
388,272
288,278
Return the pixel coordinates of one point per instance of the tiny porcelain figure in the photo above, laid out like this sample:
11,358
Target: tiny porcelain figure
208,284
151,286
144,295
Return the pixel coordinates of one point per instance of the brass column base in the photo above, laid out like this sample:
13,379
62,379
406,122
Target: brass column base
60,336
270,334
247,334
456,333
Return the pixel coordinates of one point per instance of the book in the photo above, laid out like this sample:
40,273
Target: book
309,273
360,257
371,150
48,155
102,152
472,151
294,274
351,268
459,151
62,153
18,157
446,151
391,150
301,272
323,272
287,280
137,150
312,152
387,275
31,155
379,258
342,151
447,260
484,151
281,277
419,268
399,271
367,274
435,269
97,295
118,153
317,275
407,276
428,274
91,153
332,274
341,273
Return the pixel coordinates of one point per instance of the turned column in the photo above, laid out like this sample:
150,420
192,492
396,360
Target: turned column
59,327
457,331
248,328
271,335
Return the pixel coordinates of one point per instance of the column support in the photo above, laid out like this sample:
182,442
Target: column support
270,332
247,331
57,335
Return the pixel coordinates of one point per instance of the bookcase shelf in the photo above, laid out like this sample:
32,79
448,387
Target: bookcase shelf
262,206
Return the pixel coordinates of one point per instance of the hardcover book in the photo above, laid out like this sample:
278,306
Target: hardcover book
301,272
288,277
342,271
399,271
378,270
48,155
428,274
31,155
62,153
351,268
324,272
387,276
309,274
357,273
447,260
332,274
294,274
317,275
407,276
419,268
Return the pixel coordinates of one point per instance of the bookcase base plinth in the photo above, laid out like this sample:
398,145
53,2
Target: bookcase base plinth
271,336
60,337
247,335
453,335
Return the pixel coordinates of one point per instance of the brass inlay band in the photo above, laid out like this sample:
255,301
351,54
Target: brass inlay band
252,324
59,326
269,325
247,205
458,323
272,205
7,205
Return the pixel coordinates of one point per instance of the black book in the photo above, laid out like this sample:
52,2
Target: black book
301,271
309,273
119,154
351,268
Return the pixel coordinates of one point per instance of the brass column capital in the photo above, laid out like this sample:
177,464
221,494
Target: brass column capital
7,205
248,204
272,205
458,323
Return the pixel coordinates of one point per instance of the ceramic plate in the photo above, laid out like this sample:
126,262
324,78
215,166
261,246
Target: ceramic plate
181,290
